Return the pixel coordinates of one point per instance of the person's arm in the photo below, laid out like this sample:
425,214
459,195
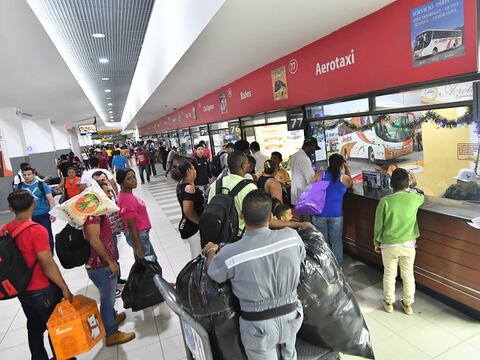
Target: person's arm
112,182
378,228
93,233
188,206
279,224
276,189
62,184
133,231
51,270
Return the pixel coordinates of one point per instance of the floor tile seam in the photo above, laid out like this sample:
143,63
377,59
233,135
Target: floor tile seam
10,325
447,329
471,337
450,348
461,341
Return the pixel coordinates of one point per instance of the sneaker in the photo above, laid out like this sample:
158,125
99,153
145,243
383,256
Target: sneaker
388,307
407,309
120,318
118,293
121,282
119,337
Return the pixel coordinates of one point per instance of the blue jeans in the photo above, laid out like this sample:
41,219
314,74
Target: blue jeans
44,220
147,245
141,169
332,230
38,306
107,285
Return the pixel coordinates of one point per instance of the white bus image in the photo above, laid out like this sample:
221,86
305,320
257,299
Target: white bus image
432,42
384,141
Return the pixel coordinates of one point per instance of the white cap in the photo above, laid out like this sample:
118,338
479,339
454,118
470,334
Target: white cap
466,175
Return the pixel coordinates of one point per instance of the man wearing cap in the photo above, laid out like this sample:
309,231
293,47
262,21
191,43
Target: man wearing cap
301,166
466,187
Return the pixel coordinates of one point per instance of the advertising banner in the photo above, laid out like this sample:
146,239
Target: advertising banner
390,48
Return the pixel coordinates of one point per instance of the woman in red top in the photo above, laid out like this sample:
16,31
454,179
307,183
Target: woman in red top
143,160
47,285
102,269
71,184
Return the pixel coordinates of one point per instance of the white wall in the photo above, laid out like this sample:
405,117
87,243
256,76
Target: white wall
38,135
61,137
161,51
11,126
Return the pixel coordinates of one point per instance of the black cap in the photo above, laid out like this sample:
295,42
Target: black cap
311,141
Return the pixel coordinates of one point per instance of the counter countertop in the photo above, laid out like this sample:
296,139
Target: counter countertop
456,208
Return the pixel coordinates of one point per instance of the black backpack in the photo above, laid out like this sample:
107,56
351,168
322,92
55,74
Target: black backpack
216,164
71,247
41,187
15,275
219,221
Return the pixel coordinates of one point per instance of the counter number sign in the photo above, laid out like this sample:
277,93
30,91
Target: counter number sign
295,120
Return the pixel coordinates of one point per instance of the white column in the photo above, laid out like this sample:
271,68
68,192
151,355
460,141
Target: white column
61,137
12,142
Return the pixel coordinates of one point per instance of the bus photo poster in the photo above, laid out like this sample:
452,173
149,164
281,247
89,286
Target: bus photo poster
437,31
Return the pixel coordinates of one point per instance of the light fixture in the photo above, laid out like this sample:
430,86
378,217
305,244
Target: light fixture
103,60
105,79
109,104
112,120
108,98
110,112
111,117
98,35
108,90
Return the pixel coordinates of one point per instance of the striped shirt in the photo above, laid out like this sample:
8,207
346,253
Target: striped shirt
263,267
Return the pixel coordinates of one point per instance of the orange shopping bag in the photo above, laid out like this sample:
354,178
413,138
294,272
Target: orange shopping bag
76,327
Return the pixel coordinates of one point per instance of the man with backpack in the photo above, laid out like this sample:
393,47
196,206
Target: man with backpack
219,163
19,176
43,200
202,167
152,153
44,285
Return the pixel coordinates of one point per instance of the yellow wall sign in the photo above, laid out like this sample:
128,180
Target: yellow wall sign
467,151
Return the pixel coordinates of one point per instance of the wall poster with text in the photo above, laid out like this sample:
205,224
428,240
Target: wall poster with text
437,31
279,84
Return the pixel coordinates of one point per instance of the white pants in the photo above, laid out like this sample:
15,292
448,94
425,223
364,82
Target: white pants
195,246
392,258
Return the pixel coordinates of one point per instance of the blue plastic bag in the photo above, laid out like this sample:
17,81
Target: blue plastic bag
312,201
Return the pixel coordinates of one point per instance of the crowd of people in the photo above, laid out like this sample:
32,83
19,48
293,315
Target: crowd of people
264,197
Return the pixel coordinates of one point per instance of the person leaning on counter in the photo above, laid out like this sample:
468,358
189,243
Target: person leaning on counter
466,187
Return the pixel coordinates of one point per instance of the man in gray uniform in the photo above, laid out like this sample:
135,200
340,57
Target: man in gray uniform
264,269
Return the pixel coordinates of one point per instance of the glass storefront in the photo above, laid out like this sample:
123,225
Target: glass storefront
224,133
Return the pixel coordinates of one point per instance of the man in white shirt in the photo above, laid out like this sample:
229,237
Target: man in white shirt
87,180
301,166
259,156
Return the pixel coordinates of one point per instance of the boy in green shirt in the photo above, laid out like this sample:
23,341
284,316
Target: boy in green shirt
396,233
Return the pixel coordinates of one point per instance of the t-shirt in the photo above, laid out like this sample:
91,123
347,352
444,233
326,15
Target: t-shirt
260,159
30,242
302,173
119,162
106,237
103,163
87,176
229,182
72,187
132,207
202,167
142,159
41,203
109,152
186,227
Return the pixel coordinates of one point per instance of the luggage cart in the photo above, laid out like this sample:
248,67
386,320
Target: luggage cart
197,342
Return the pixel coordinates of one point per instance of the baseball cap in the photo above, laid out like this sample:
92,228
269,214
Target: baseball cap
311,141
466,175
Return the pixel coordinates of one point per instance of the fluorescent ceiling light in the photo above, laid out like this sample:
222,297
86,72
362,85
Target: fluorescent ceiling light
110,112
105,79
109,104
108,98
103,60
98,35
108,90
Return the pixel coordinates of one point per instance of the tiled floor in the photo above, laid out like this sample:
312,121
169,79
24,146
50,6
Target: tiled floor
435,331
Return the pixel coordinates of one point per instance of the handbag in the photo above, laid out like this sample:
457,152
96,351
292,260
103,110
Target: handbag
312,201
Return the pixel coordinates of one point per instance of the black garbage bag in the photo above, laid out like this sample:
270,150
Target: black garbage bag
140,291
214,306
332,316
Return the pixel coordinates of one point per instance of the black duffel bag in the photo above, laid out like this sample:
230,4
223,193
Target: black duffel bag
140,291
332,316
214,306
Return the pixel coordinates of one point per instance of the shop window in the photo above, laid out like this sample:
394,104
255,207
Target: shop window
428,96
219,125
277,117
253,120
224,133
346,107
314,111
200,133
185,143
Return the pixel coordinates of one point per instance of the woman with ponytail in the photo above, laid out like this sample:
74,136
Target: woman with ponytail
330,221
191,201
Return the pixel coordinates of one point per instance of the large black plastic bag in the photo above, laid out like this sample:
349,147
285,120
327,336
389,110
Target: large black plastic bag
214,306
140,291
332,317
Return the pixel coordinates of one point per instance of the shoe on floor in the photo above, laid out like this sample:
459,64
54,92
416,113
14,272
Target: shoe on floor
120,318
388,307
407,309
121,282
119,337
118,293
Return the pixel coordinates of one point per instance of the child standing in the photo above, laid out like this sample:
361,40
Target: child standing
396,232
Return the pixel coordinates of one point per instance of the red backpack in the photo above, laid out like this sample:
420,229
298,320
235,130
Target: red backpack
15,275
